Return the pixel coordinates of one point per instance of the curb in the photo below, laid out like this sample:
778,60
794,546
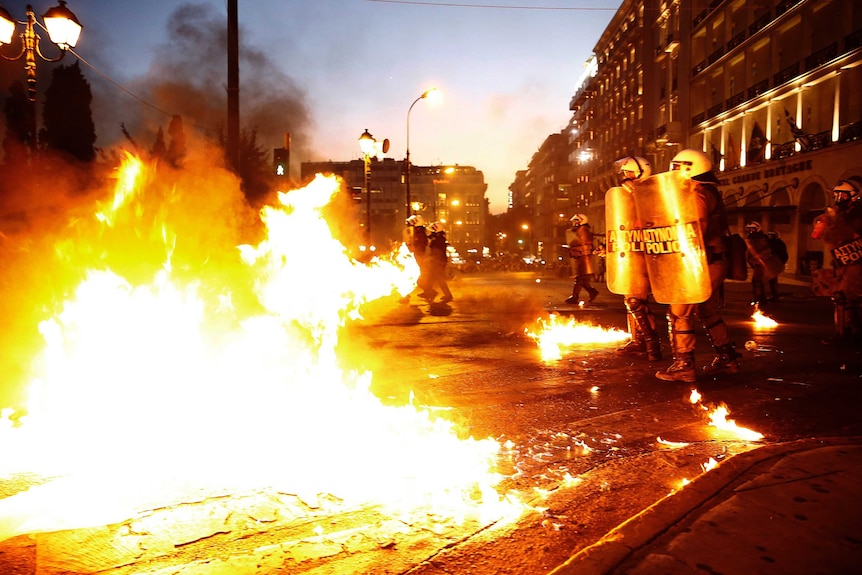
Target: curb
642,529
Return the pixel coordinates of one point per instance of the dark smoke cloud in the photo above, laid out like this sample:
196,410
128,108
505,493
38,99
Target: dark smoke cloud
188,76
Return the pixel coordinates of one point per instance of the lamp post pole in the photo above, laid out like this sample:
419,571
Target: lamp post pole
63,30
368,145
425,94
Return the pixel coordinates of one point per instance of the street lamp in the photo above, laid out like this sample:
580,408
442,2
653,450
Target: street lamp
63,30
425,94
367,144
370,147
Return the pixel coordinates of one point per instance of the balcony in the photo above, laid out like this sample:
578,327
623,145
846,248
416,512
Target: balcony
820,140
701,66
758,89
759,24
851,132
853,41
786,74
735,100
736,41
785,6
715,110
715,56
820,57
781,151
698,118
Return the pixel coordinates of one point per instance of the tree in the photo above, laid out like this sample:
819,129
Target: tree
16,112
159,149
67,117
177,147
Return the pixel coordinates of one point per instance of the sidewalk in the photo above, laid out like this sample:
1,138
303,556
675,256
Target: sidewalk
783,509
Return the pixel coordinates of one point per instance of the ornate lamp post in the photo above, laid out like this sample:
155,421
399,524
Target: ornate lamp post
370,147
63,30
425,94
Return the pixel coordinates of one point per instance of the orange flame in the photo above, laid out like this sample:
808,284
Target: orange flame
762,321
213,372
718,419
554,336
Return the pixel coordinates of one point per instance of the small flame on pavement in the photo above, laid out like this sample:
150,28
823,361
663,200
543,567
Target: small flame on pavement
554,336
762,321
718,419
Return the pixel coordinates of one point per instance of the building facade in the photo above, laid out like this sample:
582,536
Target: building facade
451,194
768,89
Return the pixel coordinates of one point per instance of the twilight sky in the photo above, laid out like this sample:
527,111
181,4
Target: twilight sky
325,70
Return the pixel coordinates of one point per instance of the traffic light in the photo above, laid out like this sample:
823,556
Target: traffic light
281,161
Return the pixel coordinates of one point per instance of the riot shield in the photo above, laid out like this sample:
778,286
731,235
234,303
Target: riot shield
580,242
626,271
673,243
762,254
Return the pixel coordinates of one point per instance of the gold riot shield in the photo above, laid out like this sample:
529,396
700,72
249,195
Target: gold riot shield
762,254
626,267
673,243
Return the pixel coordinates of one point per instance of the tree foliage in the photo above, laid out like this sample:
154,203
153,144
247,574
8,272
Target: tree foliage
67,117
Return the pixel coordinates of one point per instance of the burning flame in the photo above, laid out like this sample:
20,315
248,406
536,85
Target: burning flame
175,367
718,419
762,321
554,336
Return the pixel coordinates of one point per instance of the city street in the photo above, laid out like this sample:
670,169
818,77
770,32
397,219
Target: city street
590,440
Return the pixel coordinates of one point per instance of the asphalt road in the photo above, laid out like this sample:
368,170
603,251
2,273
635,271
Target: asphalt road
581,436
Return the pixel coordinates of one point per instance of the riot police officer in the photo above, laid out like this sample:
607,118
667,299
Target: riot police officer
580,240
629,272
840,228
696,167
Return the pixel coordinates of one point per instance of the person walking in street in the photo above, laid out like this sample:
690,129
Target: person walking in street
840,228
779,248
580,240
417,241
765,264
758,247
696,168
438,259
629,270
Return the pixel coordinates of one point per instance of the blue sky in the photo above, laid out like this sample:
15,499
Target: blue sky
328,69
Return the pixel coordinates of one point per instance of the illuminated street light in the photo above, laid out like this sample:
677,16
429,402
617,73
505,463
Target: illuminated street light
63,30
425,94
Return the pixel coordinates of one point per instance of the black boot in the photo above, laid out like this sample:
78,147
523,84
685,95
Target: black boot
682,369
653,349
636,346
726,360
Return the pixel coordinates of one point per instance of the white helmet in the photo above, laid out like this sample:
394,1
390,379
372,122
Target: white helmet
752,227
633,168
438,227
415,220
578,219
693,164
844,193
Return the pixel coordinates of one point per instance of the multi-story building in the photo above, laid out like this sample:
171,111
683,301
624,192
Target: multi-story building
452,194
769,89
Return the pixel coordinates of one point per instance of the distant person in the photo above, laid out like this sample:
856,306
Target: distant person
417,242
779,248
580,240
758,251
601,252
438,259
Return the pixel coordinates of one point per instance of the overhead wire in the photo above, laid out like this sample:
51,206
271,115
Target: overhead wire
130,93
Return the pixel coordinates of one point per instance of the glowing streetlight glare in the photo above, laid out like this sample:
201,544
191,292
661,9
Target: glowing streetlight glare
456,203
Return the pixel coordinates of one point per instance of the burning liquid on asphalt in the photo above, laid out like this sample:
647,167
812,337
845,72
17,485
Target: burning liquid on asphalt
180,361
